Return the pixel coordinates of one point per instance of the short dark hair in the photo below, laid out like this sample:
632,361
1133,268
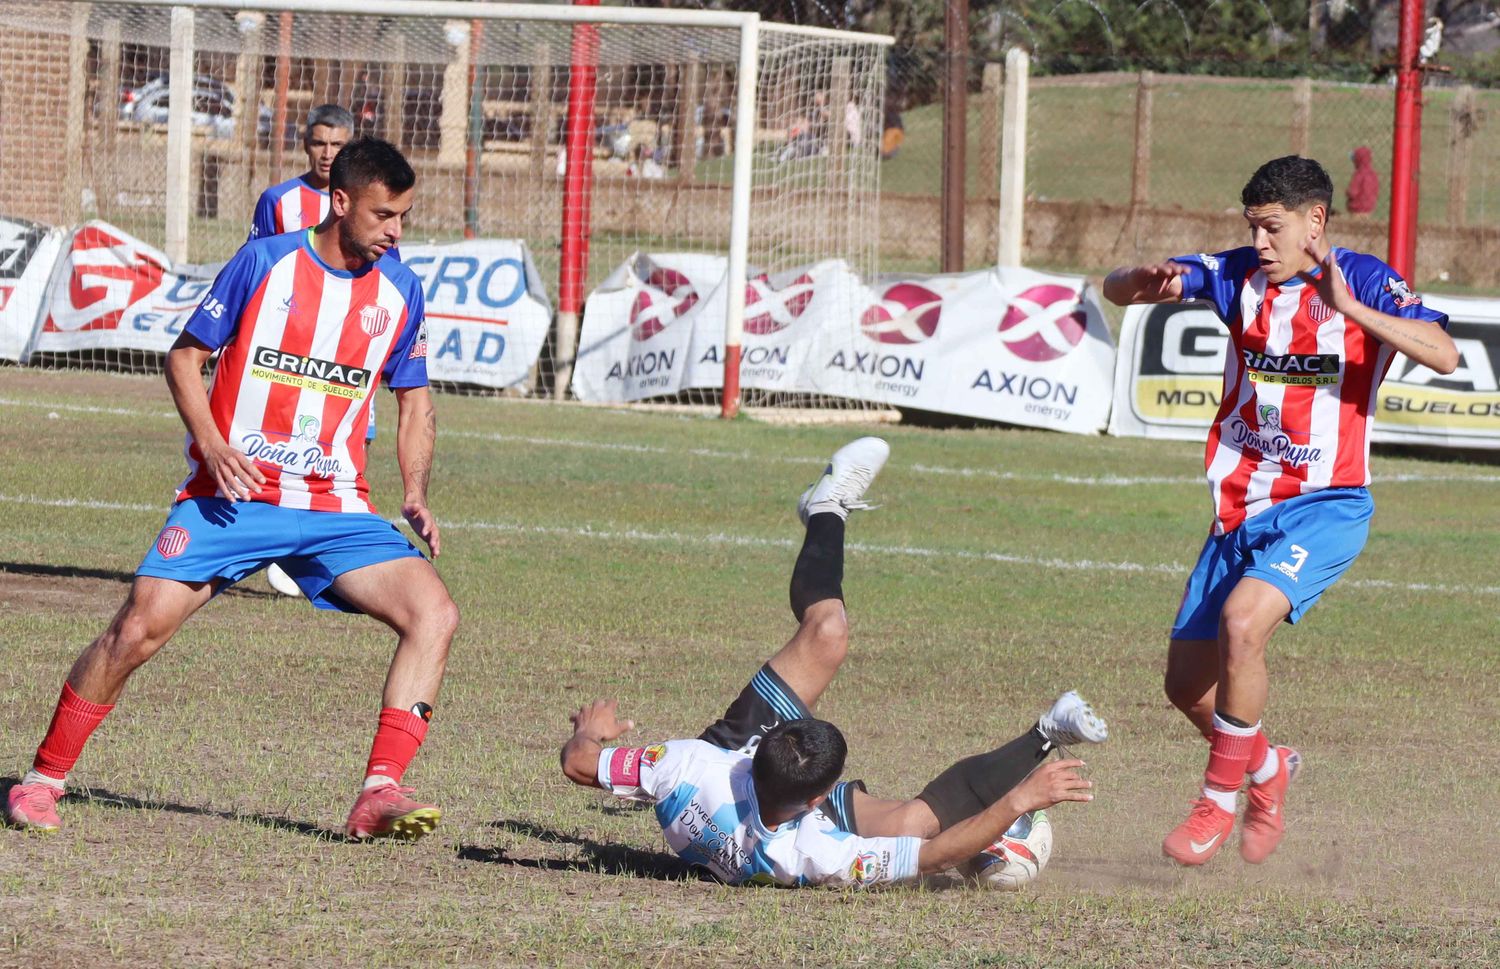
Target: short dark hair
1292,180
367,160
796,761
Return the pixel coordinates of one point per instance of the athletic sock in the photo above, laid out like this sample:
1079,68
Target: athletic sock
1228,758
973,784
72,722
397,738
1264,761
819,572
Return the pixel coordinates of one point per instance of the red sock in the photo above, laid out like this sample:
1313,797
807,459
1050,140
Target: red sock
397,738
1229,755
72,722
1258,750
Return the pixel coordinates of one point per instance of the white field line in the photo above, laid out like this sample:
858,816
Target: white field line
726,539
1106,481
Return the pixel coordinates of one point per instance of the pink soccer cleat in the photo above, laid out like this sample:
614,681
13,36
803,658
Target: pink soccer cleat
34,807
1200,837
1265,821
387,812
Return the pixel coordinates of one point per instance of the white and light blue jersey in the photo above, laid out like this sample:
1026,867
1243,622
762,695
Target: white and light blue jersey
705,802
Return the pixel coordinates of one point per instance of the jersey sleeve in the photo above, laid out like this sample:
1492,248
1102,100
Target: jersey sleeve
1380,287
840,860
1217,278
642,773
217,317
264,222
407,364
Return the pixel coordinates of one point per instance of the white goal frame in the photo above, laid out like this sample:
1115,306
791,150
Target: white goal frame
749,26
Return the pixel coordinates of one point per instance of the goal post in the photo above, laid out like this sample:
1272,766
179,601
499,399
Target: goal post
705,133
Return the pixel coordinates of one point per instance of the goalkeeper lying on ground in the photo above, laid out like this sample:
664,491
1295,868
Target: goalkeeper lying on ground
757,799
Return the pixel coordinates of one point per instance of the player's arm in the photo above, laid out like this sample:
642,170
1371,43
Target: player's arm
1051,783
1158,283
236,475
416,438
594,725
1421,340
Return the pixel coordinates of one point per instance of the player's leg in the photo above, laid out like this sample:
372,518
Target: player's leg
1192,680
153,611
972,784
789,685
407,595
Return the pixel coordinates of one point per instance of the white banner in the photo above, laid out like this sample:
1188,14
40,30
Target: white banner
114,292
1171,372
1010,345
28,252
487,313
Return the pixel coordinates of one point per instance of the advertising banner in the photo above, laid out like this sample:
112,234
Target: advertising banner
28,252
1010,345
1170,370
487,311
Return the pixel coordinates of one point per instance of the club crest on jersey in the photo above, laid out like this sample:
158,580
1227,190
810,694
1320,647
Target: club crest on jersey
1401,293
1320,311
374,320
866,868
172,541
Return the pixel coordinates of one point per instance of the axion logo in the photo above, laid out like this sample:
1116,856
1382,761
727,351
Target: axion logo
1043,323
172,541
768,310
374,319
1320,311
906,313
649,315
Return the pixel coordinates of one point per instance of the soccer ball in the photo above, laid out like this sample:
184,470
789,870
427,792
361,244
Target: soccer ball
1017,859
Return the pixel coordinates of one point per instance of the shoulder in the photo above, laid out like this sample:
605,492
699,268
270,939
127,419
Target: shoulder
281,188
1370,276
268,250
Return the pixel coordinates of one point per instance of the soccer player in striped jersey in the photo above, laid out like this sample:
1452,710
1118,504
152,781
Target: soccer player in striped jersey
1312,328
302,202
756,798
307,325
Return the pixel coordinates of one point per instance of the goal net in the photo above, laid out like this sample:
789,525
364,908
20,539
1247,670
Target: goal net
140,135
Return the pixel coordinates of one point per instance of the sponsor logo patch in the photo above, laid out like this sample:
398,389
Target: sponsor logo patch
309,373
866,868
1401,293
172,541
625,766
1296,369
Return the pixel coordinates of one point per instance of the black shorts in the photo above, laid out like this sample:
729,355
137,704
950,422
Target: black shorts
764,703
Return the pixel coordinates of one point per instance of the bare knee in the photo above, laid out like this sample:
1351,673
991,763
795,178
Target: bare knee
827,632
438,622
1243,636
132,639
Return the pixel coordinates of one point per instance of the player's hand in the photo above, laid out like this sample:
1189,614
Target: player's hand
600,721
1332,288
422,521
236,475
1153,284
1052,783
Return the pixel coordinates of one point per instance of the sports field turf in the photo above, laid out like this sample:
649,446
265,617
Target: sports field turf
646,556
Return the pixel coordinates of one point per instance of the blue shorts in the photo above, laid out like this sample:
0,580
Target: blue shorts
211,539
1301,546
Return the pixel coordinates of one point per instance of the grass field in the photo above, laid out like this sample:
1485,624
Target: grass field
599,552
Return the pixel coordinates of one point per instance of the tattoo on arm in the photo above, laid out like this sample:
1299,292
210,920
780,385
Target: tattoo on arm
419,471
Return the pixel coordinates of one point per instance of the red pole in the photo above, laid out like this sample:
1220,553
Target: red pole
1406,151
577,186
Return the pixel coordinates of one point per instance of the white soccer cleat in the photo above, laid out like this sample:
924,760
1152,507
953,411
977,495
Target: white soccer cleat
282,582
1072,721
849,473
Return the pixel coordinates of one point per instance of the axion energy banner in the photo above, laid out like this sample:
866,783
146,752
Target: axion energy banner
1171,364
1010,345
28,252
487,313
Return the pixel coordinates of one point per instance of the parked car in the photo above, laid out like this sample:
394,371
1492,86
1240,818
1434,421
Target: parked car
213,104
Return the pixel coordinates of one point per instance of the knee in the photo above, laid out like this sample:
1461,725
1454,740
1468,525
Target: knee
1242,636
440,621
132,639
829,634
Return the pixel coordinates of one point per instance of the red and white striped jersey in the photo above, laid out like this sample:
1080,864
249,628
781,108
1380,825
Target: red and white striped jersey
304,346
1299,383
287,207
